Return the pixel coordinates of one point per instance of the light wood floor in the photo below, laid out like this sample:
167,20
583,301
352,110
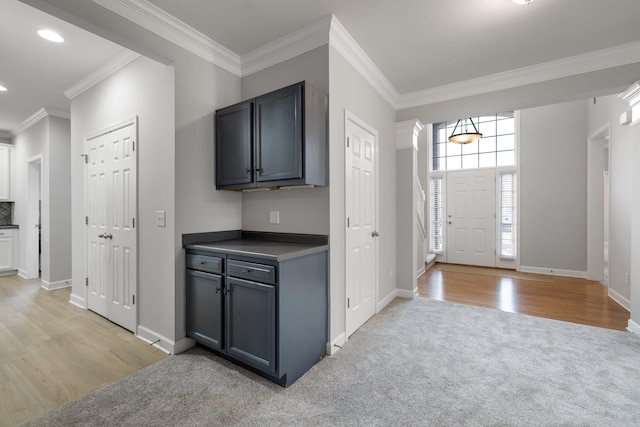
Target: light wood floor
52,352
561,298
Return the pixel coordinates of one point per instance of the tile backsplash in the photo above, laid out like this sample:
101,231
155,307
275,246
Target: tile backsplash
6,213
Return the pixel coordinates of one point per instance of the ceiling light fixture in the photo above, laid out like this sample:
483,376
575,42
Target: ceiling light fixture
466,136
522,1
50,35
3,89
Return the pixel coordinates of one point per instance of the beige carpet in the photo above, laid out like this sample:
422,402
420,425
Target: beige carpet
417,363
498,272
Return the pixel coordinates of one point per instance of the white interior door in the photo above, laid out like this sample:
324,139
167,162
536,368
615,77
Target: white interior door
471,206
360,192
111,234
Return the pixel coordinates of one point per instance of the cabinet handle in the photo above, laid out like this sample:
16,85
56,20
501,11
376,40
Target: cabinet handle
248,170
217,290
259,170
248,271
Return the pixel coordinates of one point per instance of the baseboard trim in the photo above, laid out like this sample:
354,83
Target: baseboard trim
386,300
633,327
554,272
8,273
52,286
403,293
421,271
624,302
163,343
77,301
22,273
336,344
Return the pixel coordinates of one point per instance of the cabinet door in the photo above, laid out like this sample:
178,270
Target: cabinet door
5,173
251,323
234,146
205,309
6,254
279,135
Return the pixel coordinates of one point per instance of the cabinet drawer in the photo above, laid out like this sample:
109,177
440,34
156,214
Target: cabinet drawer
6,233
251,271
211,264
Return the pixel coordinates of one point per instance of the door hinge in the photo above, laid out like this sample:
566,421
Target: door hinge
134,300
347,142
348,303
133,144
133,222
348,222
86,220
86,281
86,158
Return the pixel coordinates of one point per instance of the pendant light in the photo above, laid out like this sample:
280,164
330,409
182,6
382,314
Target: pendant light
466,136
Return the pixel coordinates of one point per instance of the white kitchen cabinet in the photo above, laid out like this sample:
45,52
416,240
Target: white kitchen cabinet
8,249
5,172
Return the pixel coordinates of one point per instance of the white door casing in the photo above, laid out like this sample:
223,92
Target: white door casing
471,220
111,209
361,210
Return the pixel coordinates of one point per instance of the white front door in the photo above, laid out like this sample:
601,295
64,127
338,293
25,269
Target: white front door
360,203
111,236
471,202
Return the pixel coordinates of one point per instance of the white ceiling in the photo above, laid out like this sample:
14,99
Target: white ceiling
417,44
37,72
421,44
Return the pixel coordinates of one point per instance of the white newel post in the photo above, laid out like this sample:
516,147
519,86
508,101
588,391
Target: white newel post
406,192
632,118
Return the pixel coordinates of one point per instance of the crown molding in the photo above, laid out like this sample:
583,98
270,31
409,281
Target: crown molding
39,115
110,67
6,134
165,25
342,41
579,64
287,47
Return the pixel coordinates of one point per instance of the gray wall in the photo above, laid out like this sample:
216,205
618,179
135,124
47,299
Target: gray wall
553,187
301,210
348,90
59,199
144,88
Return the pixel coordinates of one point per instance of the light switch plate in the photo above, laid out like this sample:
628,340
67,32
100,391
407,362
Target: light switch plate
161,218
274,217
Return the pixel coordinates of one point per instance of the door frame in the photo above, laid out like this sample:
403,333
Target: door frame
92,135
595,201
350,117
34,194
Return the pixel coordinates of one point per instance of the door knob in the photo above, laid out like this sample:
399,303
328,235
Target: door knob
101,236
108,236
374,234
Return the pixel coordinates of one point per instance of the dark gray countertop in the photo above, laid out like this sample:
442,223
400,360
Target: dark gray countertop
269,250
8,226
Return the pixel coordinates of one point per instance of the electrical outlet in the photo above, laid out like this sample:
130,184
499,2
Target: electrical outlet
274,217
161,219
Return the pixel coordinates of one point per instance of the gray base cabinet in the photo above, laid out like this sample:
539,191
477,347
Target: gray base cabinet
265,315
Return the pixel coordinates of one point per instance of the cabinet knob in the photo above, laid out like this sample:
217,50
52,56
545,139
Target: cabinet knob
248,170
259,170
217,290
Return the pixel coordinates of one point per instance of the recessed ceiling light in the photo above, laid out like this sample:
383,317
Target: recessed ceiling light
3,89
522,1
50,35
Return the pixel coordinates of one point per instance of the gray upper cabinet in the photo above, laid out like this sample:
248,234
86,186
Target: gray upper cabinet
277,139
